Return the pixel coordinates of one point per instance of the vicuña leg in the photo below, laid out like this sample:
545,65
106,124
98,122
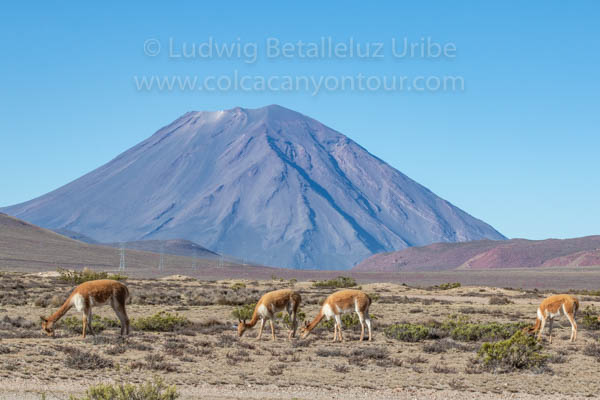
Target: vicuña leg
262,324
550,323
368,322
338,321
361,319
292,332
542,328
84,324
122,315
272,329
573,328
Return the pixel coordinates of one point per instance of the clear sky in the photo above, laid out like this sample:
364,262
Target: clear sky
517,146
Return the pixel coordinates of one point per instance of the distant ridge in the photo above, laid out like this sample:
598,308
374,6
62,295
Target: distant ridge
26,247
486,254
268,185
178,247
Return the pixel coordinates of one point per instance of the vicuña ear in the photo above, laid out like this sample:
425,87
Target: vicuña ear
43,319
239,320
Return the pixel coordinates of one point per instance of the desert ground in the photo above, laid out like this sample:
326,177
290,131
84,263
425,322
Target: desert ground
204,358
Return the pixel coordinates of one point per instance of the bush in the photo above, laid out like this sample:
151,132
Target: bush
78,277
408,332
443,345
590,319
99,324
499,300
78,359
520,352
238,286
592,350
244,312
349,321
449,285
161,322
300,316
339,282
150,390
460,328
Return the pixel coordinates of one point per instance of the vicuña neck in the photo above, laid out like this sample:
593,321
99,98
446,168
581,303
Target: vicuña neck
61,311
315,321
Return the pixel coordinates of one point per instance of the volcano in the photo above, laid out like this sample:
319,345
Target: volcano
267,185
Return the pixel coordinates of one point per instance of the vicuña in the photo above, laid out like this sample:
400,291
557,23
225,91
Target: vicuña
342,302
552,307
92,294
270,304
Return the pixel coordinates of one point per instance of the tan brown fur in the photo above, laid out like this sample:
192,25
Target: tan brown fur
273,302
341,302
550,308
88,295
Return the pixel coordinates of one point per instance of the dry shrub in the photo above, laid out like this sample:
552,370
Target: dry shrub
276,369
499,300
79,359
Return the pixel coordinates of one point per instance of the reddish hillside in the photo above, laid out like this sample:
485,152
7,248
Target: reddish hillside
486,254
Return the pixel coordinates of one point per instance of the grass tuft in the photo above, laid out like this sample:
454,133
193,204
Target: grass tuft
85,275
154,389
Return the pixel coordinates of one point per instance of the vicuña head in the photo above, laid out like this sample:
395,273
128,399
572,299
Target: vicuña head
47,326
552,307
270,304
344,301
88,294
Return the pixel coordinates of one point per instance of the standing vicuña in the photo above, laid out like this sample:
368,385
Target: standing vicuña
270,304
344,301
550,308
93,294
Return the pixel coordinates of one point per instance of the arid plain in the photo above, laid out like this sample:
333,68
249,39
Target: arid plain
202,355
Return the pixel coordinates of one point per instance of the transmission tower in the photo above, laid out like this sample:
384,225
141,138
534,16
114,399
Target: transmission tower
161,264
220,251
122,261
194,261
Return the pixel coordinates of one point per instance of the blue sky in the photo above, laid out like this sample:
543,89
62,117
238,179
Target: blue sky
518,147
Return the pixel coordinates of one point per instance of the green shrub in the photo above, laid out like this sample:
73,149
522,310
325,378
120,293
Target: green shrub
300,316
160,322
339,282
590,319
150,390
449,285
408,332
244,312
238,286
99,324
458,327
78,277
374,297
521,351
584,292
349,321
